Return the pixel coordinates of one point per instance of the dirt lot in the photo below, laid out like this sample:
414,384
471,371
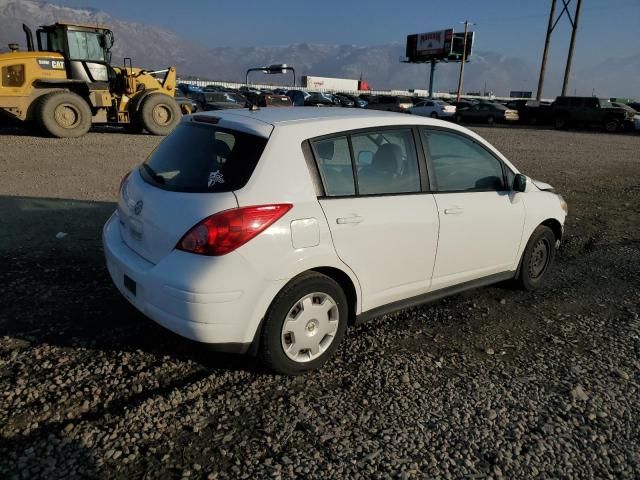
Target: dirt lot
492,383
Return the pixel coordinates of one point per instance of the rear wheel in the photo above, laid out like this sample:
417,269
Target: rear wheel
304,324
63,115
159,114
537,258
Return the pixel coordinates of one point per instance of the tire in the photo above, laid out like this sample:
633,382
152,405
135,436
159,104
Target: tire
491,120
611,125
63,115
458,118
159,114
560,123
434,115
537,258
279,328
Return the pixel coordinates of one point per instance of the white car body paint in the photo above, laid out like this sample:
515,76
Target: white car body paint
399,246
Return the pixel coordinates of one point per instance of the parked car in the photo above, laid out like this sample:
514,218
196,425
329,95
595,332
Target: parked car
635,124
433,109
589,112
301,98
357,100
186,104
462,104
246,89
390,103
532,112
273,230
634,105
214,88
187,89
273,100
219,100
344,100
487,112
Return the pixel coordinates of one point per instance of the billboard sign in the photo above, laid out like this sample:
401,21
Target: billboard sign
442,45
434,43
457,46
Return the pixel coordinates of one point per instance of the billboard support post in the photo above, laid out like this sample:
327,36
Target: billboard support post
431,77
464,59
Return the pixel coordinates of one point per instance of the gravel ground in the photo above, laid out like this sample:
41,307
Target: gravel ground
489,384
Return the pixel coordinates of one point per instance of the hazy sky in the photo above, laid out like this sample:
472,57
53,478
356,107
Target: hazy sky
608,28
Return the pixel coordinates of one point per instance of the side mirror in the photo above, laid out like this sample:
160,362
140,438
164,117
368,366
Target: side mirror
520,183
365,157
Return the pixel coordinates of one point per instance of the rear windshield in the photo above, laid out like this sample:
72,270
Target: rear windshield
203,158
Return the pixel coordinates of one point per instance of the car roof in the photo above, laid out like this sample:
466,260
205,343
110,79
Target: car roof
312,114
329,120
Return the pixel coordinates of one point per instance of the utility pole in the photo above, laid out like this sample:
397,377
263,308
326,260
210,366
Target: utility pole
543,66
567,70
573,20
464,59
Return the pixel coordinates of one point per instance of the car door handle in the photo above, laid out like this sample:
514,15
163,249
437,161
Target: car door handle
453,211
346,220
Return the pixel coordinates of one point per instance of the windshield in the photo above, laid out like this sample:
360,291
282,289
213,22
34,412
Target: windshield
85,46
203,158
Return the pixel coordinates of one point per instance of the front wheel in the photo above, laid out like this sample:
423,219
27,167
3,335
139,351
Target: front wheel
491,120
304,324
458,118
537,258
434,115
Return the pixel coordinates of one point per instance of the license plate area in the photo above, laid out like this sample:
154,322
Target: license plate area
130,284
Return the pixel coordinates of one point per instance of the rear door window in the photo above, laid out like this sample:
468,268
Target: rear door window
386,162
203,158
334,162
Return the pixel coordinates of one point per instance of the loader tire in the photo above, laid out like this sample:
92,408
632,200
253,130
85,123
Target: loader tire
63,115
159,114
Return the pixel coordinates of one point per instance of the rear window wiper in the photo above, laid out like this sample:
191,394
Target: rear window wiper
153,174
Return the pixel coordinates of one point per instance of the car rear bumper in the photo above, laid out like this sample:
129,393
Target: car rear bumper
205,299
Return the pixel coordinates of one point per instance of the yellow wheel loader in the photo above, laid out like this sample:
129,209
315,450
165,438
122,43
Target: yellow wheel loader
65,83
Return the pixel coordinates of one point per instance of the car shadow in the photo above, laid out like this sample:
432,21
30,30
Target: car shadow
58,290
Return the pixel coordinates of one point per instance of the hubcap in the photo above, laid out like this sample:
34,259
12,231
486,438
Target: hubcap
310,327
66,115
539,259
161,114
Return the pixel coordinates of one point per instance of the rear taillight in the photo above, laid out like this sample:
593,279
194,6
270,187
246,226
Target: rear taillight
223,232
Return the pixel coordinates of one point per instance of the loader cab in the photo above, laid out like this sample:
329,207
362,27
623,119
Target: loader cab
86,49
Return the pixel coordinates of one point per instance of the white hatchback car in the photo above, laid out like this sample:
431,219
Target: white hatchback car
272,230
433,109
